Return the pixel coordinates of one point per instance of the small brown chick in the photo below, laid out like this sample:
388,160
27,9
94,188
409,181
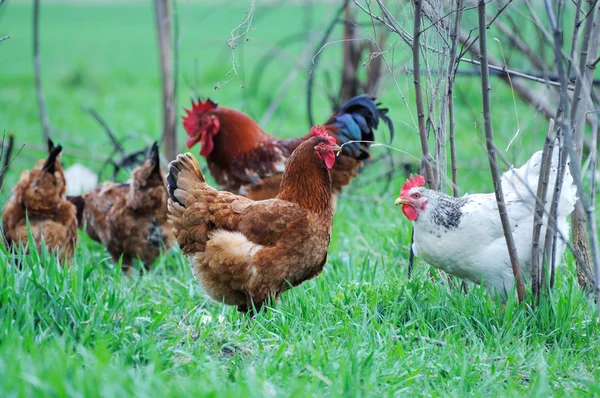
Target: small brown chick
40,195
129,219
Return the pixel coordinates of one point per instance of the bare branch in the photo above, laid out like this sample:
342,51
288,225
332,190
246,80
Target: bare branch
37,70
581,102
574,165
5,155
311,75
452,67
4,38
427,158
489,133
508,73
542,189
163,24
113,139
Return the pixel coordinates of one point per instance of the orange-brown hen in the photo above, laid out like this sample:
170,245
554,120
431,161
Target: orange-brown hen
130,219
244,252
40,196
245,160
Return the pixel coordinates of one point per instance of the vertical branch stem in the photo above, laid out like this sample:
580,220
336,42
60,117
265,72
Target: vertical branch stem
452,66
581,102
574,165
41,100
542,189
489,134
163,23
416,45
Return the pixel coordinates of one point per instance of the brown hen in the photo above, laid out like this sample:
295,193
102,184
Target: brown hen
40,196
244,252
130,219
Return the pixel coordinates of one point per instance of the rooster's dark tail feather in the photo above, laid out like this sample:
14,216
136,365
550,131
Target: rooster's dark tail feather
356,120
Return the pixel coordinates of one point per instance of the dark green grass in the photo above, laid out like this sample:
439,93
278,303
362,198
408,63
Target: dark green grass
360,328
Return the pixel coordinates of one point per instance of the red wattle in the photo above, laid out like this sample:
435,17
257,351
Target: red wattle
329,159
410,212
207,144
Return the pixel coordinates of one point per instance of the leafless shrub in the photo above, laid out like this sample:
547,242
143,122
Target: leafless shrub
557,80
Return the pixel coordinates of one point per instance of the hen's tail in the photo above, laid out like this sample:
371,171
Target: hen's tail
184,175
356,120
524,180
188,211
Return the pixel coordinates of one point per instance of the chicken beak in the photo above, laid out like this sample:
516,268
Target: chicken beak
336,148
401,201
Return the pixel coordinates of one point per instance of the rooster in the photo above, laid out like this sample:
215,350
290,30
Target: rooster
464,236
244,252
129,219
245,160
39,197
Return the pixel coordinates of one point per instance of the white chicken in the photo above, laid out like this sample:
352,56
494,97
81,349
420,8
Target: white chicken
464,236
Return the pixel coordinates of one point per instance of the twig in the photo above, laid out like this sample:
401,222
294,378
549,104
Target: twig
468,45
576,27
540,102
427,158
508,73
452,67
37,70
117,145
581,99
489,133
311,75
521,45
411,252
163,24
5,156
591,65
4,38
574,165
542,189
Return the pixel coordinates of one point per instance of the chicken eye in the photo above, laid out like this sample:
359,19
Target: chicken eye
416,195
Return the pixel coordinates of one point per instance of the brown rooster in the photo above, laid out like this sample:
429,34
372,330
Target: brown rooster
244,252
129,219
40,197
245,160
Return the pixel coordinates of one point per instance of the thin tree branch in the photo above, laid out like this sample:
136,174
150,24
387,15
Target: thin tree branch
574,165
163,24
489,133
5,156
427,158
542,189
4,38
311,74
452,67
37,70
581,102
113,139
512,73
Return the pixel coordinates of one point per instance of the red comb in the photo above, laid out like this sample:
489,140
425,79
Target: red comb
321,131
412,182
190,121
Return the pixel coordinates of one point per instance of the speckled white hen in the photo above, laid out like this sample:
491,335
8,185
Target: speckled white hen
464,236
